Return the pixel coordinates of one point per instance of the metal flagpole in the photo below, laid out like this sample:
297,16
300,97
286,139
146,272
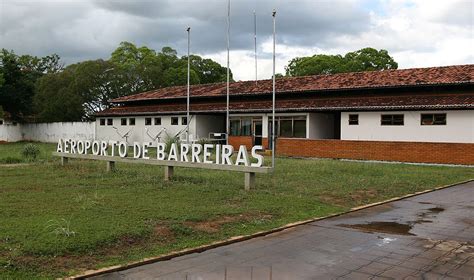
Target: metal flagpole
228,72
255,41
188,90
273,93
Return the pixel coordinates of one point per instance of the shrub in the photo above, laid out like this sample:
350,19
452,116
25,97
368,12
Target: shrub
30,152
204,141
171,140
10,160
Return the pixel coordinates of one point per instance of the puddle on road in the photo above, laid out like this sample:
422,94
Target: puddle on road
382,227
436,209
422,221
395,227
430,212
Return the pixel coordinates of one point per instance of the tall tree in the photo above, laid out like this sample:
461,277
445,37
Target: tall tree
207,69
18,75
88,86
140,66
17,89
366,59
56,99
369,59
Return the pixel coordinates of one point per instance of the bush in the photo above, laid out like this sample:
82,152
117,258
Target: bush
10,160
30,152
171,140
204,141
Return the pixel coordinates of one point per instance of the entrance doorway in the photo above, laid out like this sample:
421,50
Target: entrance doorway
257,132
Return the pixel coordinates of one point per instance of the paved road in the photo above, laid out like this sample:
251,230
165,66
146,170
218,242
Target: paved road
430,236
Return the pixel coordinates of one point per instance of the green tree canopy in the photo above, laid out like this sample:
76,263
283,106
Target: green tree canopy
367,59
90,85
18,75
57,99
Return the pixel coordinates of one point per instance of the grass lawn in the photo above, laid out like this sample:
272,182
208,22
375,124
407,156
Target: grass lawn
57,221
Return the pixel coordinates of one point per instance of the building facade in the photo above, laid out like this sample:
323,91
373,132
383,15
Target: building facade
351,115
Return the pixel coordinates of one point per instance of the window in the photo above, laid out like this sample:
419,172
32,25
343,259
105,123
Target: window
392,119
110,121
157,121
235,127
243,126
353,119
289,127
286,128
147,121
131,121
184,120
433,119
299,128
102,121
123,121
174,120
246,129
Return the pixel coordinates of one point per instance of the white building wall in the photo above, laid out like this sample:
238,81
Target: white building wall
141,132
459,127
320,126
200,126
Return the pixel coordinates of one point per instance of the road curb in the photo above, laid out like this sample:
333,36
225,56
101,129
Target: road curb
235,239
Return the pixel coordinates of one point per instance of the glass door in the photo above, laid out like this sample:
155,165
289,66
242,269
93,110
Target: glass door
257,132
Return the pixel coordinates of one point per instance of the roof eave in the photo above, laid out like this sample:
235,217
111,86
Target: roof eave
347,89
320,109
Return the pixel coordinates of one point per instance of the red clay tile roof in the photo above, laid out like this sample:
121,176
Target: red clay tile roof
400,102
448,75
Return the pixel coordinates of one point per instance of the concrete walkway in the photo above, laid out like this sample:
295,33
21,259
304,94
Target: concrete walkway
430,236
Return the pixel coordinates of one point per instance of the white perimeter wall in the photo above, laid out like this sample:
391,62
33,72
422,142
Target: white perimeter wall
10,133
47,132
459,127
52,132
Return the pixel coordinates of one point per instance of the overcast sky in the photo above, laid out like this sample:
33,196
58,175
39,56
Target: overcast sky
418,33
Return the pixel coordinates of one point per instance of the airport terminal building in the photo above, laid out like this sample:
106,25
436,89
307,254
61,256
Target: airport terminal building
413,115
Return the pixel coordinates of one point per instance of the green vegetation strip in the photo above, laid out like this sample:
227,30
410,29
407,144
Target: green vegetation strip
58,221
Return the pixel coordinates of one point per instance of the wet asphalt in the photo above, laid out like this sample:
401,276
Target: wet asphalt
429,236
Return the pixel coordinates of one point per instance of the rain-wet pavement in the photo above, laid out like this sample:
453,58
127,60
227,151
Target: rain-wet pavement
430,236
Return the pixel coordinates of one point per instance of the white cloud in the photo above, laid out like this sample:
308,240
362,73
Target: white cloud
416,32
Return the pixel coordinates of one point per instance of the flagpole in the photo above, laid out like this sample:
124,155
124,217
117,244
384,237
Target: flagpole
273,91
255,43
228,72
188,89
